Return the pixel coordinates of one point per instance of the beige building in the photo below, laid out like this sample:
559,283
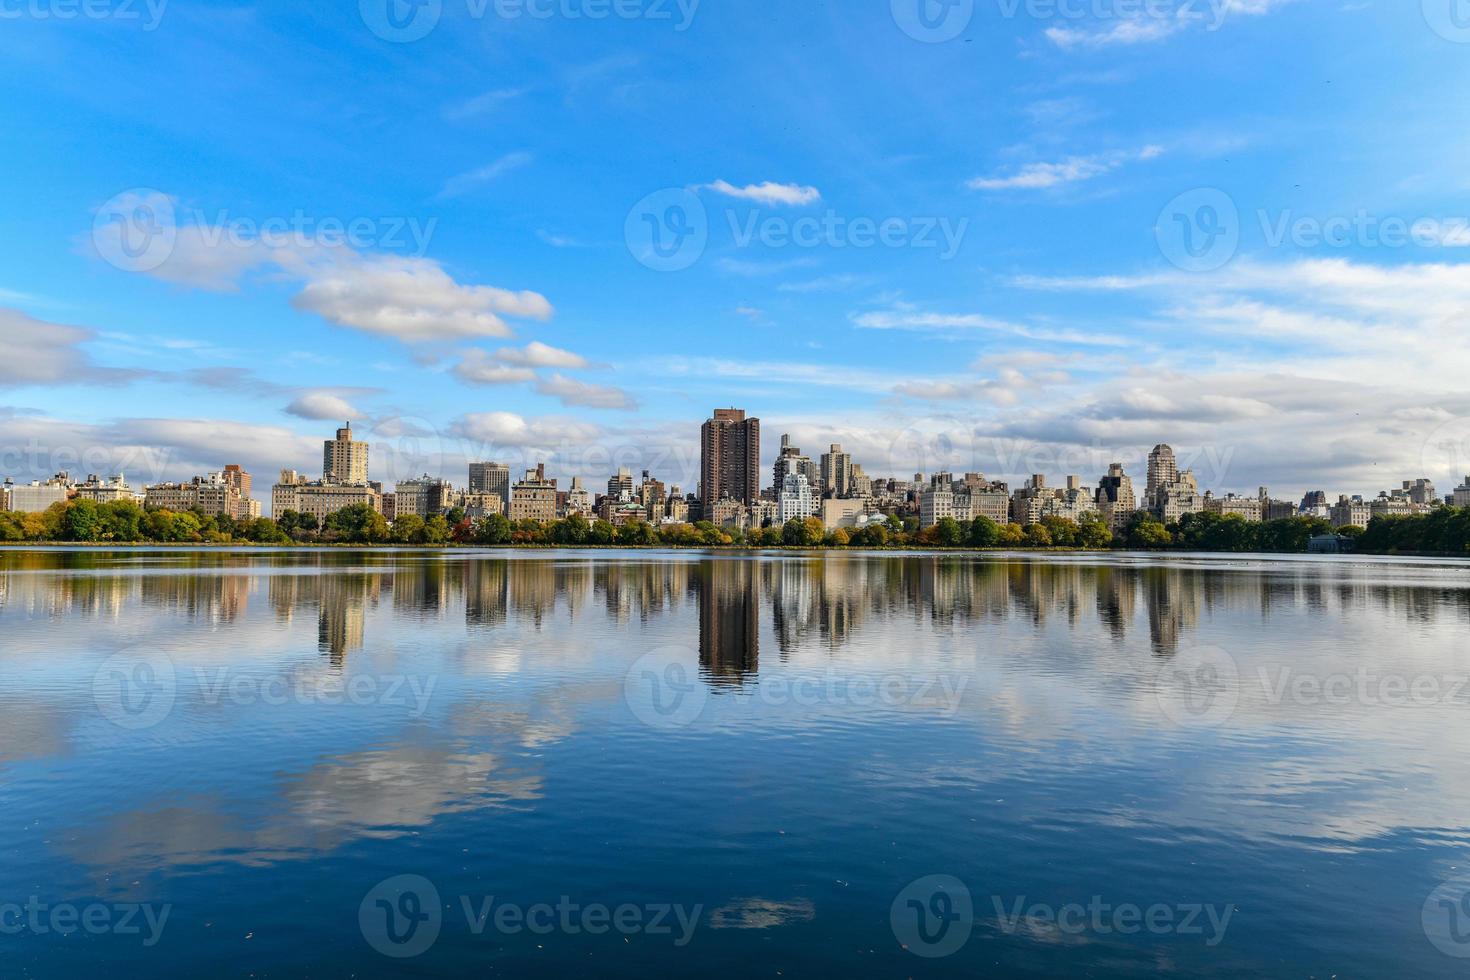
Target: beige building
1351,510
108,491
210,495
320,499
533,498
1249,508
344,459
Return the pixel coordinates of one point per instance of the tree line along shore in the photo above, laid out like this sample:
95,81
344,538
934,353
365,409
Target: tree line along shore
1445,531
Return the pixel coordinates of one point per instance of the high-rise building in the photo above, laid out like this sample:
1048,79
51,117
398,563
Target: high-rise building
1115,499
236,477
730,457
579,499
344,459
1163,469
836,472
493,478
620,485
792,461
795,500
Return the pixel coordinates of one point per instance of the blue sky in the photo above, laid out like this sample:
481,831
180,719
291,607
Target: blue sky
964,251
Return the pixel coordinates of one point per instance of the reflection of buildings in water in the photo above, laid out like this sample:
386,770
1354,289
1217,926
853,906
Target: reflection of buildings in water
643,588
1173,597
342,600
1116,599
486,592
533,590
219,597
729,620
424,586
829,596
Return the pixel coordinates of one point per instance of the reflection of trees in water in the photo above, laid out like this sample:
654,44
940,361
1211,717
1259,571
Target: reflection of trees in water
827,599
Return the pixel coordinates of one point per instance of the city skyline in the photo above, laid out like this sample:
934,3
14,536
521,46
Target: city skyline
731,492
482,292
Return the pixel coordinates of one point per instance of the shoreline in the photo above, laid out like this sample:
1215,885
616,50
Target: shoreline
899,550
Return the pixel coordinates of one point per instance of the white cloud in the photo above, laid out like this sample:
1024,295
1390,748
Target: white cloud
413,300
481,104
38,352
539,355
1149,28
476,367
322,405
461,183
957,323
509,429
570,391
768,192
1039,176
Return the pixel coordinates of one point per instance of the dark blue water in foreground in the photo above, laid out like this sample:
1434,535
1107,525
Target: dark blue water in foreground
363,763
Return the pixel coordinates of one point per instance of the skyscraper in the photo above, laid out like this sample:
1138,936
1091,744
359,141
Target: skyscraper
836,472
344,459
491,478
1163,470
792,461
730,457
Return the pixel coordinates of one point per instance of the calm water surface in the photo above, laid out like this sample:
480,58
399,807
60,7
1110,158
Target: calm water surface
361,763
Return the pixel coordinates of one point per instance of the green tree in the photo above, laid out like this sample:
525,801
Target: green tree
1092,533
601,533
984,532
637,533
948,533
357,524
492,530
82,521
570,530
1146,533
1037,536
408,529
1063,531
